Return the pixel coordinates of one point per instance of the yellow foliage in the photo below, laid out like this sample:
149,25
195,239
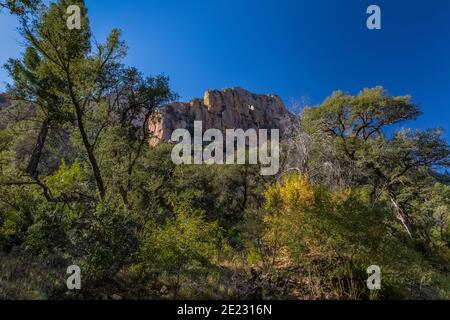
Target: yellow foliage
286,204
293,191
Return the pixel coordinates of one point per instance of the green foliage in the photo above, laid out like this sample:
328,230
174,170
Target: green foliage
79,184
345,233
355,130
19,7
185,245
106,243
183,242
11,223
67,180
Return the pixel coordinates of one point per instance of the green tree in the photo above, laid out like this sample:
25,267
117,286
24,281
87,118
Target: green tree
75,140
337,235
356,126
19,7
76,83
184,244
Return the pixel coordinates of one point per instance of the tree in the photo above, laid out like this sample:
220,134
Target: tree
336,236
70,82
184,244
75,140
19,7
356,126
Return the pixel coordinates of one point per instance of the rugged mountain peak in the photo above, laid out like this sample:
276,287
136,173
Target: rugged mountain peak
233,108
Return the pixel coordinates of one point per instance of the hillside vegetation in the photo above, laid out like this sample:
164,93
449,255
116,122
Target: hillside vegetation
80,185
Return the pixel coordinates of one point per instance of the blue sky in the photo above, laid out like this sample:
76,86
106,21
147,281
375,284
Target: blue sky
302,49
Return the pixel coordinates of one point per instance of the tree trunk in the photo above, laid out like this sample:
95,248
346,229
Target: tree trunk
37,151
91,156
90,151
401,215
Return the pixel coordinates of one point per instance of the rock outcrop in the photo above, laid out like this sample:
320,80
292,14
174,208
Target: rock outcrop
4,101
233,108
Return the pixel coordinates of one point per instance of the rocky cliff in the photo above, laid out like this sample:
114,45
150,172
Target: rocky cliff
234,108
4,101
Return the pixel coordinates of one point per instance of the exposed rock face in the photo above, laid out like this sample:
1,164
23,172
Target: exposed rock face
4,101
233,108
